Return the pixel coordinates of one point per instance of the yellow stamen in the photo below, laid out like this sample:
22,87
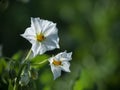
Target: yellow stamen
40,37
57,63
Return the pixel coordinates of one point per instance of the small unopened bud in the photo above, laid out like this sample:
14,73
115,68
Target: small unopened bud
34,74
24,79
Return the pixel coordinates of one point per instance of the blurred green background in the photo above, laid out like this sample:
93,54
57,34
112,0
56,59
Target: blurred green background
88,28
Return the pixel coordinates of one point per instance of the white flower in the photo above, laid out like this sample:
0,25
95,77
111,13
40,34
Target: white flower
43,35
60,62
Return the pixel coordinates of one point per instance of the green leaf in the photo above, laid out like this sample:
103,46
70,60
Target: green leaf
38,59
3,65
18,55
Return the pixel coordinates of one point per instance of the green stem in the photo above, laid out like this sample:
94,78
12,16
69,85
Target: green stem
14,88
18,77
20,70
28,54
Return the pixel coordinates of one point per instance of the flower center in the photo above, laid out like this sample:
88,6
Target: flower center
40,37
57,63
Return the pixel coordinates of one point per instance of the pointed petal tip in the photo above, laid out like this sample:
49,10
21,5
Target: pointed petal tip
58,46
22,35
69,71
55,77
71,53
31,18
34,18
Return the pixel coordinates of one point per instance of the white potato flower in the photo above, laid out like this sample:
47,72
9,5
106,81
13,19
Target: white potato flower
59,63
43,35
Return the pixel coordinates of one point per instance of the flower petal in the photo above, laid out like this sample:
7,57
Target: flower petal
65,66
29,35
52,42
48,27
51,60
56,71
35,24
54,38
38,48
66,56
63,56
35,48
42,49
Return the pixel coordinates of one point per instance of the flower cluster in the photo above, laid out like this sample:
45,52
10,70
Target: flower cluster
43,35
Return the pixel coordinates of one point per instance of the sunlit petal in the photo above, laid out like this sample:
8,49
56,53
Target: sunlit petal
56,71
65,66
35,25
29,35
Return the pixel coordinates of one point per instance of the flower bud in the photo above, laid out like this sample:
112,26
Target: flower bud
34,74
24,79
